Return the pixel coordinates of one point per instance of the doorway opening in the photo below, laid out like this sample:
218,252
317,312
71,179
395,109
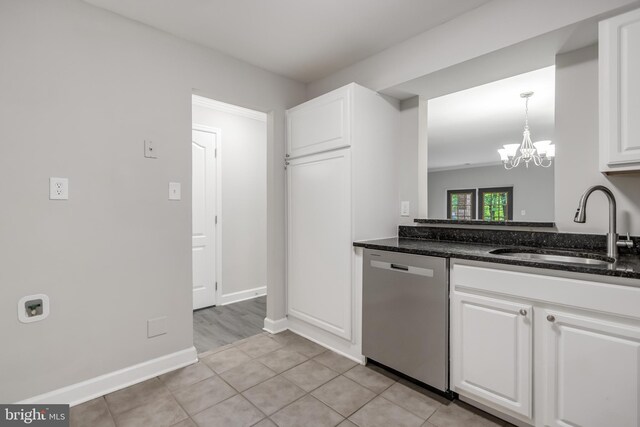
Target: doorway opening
229,229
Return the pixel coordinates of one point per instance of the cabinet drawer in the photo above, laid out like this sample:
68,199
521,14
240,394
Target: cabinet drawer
586,294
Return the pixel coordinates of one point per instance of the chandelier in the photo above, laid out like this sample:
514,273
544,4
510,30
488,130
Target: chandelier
541,152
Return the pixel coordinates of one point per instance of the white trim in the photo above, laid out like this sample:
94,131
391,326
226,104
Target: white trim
326,340
84,391
228,108
275,326
458,167
218,209
242,295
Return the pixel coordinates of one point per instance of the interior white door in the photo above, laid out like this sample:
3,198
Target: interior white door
319,241
203,166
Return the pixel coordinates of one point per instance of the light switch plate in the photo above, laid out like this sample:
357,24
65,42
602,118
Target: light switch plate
150,150
174,191
58,188
405,208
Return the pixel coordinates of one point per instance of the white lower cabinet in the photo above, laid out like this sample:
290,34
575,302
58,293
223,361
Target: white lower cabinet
592,371
492,350
546,350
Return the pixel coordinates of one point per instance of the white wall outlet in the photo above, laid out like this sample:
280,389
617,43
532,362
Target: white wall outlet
174,191
58,188
405,208
523,212
156,327
33,308
150,150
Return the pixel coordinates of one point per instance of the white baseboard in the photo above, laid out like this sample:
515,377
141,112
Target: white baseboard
242,295
326,339
98,386
275,326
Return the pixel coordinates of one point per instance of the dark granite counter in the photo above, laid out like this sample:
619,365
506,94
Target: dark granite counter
454,222
628,265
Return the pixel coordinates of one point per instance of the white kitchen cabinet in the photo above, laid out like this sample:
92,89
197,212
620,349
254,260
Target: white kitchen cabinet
319,240
321,124
341,187
492,350
592,371
585,344
619,62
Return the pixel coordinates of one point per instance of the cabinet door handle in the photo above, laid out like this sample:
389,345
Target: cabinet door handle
523,312
551,318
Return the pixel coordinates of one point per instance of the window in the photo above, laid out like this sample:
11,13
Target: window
461,204
496,204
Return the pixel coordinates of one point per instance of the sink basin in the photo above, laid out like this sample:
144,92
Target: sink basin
556,256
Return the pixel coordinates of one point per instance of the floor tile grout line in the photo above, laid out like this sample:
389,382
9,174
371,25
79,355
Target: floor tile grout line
113,418
145,401
180,404
329,406
302,397
407,409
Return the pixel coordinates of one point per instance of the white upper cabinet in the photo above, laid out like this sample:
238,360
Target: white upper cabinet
321,124
619,60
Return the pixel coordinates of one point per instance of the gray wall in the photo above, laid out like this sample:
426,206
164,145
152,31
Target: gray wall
81,88
243,154
576,137
532,189
407,158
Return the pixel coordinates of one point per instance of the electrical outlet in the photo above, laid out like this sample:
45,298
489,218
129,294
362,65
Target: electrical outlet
150,150
33,308
58,188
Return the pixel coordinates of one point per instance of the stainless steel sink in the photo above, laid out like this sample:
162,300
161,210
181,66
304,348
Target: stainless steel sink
556,256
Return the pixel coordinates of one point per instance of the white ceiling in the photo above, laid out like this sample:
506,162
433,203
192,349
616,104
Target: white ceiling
301,39
466,128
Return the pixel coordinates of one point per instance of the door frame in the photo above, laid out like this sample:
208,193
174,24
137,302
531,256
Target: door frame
217,211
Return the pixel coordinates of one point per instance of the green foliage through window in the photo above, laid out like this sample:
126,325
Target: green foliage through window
495,206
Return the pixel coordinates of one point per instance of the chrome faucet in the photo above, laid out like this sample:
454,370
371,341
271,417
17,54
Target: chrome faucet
612,236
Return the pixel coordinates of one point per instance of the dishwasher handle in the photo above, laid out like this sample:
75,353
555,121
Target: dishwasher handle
419,271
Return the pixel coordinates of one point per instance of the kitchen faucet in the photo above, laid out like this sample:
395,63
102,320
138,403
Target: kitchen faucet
612,236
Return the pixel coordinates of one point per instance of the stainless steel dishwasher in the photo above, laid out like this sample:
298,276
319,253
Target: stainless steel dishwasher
405,314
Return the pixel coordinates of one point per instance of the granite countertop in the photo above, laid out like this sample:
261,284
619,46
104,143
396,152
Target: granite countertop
454,222
627,266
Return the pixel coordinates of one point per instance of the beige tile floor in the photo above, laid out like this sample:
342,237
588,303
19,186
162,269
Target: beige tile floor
276,380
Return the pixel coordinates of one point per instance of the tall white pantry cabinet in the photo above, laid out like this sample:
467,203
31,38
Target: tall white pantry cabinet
341,187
